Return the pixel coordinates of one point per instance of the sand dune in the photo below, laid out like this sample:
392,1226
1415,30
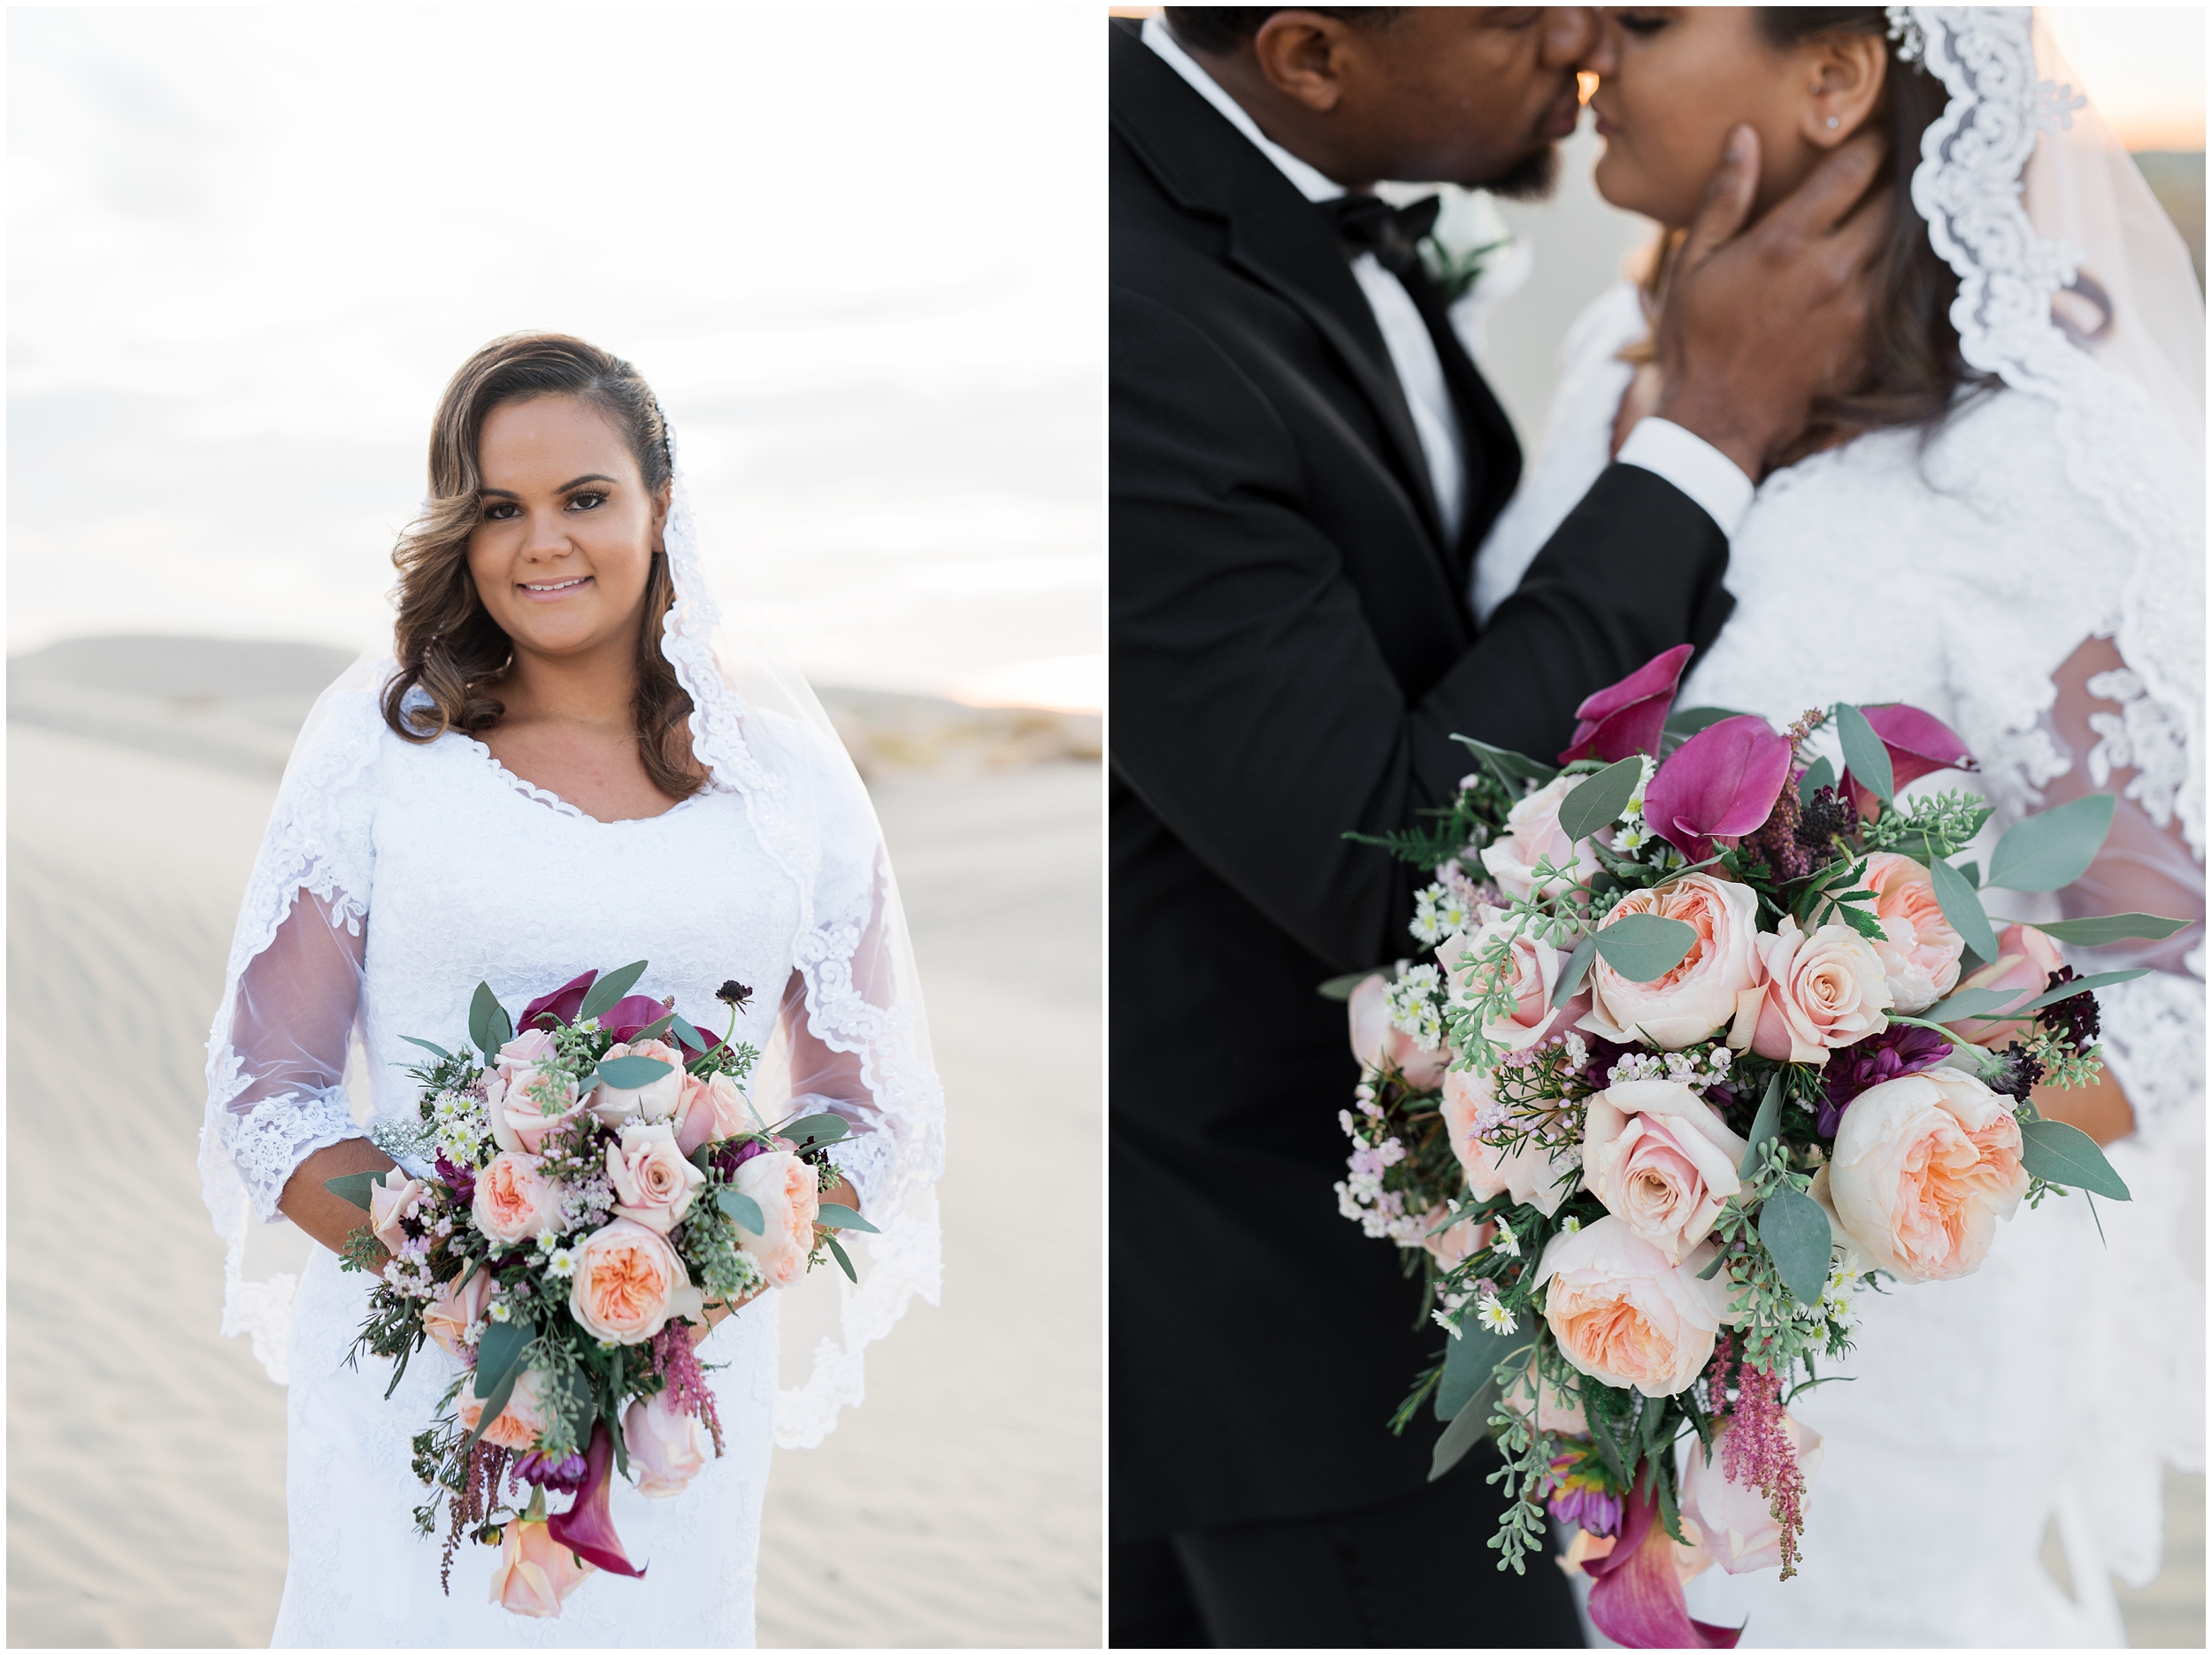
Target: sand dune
959,1506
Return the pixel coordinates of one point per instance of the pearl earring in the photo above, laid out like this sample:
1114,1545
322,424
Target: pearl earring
1833,123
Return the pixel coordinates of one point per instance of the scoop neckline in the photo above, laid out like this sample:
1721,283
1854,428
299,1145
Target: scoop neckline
559,806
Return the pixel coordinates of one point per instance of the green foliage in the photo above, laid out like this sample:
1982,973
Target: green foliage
1928,829
1961,906
1644,947
1599,801
2060,1153
608,987
1863,754
2050,851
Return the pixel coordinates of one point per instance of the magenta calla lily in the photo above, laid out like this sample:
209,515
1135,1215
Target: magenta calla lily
623,1019
1636,1591
564,1002
1918,744
1720,784
587,1527
1629,716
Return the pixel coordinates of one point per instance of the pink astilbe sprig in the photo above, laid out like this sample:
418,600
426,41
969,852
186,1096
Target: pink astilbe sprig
1755,1449
678,1364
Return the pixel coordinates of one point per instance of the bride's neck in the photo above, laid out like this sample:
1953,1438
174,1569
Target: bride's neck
597,688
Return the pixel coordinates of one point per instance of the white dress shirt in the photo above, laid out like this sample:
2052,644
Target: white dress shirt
1691,465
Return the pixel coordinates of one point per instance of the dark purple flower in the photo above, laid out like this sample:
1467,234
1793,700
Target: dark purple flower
460,1180
565,1475
2076,1016
2015,1073
1628,717
587,1527
733,1152
1590,1510
1898,1050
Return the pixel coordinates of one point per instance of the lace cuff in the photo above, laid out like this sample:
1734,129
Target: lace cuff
2153,1039
267,1144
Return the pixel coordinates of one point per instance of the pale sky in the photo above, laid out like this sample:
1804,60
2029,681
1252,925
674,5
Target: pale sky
859,251
2143,65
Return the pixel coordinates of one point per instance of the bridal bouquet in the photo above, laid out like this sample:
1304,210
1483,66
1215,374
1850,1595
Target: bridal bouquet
599,1179
1712,1038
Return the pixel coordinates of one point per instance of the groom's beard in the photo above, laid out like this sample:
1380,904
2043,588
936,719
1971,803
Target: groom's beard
1530,178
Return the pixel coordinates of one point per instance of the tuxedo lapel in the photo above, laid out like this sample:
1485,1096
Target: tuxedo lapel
1493,454
1275,235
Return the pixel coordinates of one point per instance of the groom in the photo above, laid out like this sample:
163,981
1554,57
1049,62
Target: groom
1303,461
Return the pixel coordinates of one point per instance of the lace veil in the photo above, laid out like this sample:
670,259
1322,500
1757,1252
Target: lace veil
285,1075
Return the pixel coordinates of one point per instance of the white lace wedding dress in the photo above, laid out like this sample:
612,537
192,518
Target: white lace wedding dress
1962,577
393,879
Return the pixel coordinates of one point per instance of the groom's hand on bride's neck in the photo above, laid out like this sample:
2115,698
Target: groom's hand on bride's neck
1464,94
1759,320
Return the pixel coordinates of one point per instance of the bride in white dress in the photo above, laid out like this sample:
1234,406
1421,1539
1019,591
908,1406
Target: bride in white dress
2007,531
568,766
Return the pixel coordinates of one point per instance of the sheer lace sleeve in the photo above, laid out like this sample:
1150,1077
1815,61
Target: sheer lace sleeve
276,1056
2113,738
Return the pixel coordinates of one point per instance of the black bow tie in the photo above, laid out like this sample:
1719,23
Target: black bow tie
1367,223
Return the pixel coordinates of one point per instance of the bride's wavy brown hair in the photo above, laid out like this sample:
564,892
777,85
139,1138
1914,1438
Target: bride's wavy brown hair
446,643
1915,371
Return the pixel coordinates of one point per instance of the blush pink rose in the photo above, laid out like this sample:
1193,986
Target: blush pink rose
655,1100
1375,1039
447,1318
515,1201
2025,960
1624,1313
1534,966
709,1110
392,1197
525,1098
1661,1159
666,1448
653,1183
628,1283
789,1201
520,1423
1924,1167
1735,1524
1532,1174
536,1573
1919,951
1533,834
1821,989
1452,1246
1697,998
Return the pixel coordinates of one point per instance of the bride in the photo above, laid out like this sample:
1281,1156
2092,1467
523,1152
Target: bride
564,767
2004,526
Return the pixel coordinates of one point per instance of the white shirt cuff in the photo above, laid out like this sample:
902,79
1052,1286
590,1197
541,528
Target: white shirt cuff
1693,465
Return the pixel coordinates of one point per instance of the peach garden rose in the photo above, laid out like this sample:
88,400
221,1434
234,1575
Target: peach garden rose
1698,998
628,1283
789,1201
448,1316
536,1573
1919,951
1922,1169
515,1201
1624,1313
519,1423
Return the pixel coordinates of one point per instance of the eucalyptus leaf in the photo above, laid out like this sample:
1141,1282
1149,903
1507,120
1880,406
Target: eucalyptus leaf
1962,907
502,1025
1578,967
654,1030
1969,1002
2082,985
482,1004
688,1035
836,1215
1469,1362
1819,775
2109,928
1686,722
353,1187
608,989
1644,947
1467,1429
1765,1125
1988,1004
1599,801
1509,768
2050,851
627,1074
1863,754
843,1263
743,1210
1339,988
425,1045
1794,1230
1971,872
502,1348
2060,1153
822,1129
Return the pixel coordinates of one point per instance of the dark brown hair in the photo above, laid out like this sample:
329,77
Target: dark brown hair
1222,29
1914,370
446,643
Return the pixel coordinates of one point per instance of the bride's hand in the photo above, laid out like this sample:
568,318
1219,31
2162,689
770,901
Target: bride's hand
2101,1110
840,1193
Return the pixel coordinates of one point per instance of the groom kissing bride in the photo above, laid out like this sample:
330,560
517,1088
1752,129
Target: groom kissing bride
1305,460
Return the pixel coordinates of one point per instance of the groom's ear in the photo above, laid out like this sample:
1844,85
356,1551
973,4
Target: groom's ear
1845,75
1301,54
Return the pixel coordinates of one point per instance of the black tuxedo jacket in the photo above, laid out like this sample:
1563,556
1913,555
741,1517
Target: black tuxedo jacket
1291,650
